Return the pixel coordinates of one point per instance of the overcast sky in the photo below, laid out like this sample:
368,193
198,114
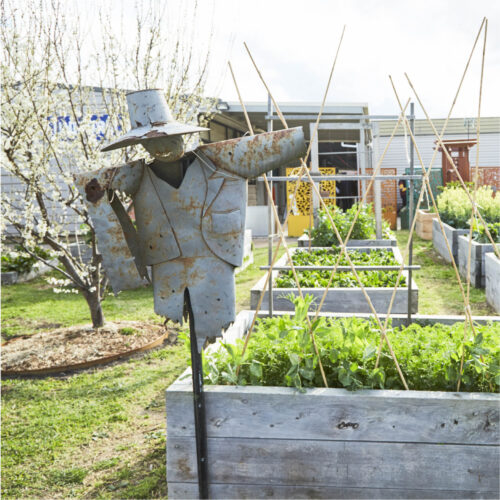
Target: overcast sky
294,43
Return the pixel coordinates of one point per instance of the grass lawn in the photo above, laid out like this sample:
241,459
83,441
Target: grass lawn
438,289
100,433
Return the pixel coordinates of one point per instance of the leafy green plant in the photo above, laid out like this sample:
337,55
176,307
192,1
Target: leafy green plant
280,353
479,232
455,208
328,257
323,234
21,261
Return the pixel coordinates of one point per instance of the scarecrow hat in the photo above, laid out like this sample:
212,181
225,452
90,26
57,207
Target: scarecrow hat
150,118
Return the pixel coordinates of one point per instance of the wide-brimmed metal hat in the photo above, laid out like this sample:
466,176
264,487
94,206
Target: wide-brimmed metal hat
150,118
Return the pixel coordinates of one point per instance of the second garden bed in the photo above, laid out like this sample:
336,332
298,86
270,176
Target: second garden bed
344,295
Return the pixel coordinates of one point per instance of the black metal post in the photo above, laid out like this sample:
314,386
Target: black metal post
200,422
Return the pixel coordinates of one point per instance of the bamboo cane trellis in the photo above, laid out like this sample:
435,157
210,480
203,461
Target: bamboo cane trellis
304,170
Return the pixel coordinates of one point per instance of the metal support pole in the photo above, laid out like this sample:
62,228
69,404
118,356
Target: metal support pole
314,167
377,187
200,422
410,208
270,213
361,150
378,209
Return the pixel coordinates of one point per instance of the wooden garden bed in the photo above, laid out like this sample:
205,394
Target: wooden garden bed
477,264
341,299
439,243
492,280
331,443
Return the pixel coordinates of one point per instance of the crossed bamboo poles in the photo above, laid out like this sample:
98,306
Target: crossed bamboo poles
343,244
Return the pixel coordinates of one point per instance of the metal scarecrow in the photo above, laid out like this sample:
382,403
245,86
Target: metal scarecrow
189,208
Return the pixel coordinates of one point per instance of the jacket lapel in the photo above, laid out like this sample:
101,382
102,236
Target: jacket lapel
214,182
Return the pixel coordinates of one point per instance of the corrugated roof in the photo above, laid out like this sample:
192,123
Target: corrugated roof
489,124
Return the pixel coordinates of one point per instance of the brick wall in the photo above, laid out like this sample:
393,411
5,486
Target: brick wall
488,176
389,195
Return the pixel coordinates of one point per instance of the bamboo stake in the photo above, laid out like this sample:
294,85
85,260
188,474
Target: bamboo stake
282,235
301,173
432,162
363,201
475,209
474,198
427,183
343,247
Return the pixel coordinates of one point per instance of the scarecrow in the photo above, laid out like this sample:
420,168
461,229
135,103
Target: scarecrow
189,205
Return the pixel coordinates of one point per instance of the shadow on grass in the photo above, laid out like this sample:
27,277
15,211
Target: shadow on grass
144,478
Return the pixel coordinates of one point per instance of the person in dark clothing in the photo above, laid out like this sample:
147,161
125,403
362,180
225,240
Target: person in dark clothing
402,192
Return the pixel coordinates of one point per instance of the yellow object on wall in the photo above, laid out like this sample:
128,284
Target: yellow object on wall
300,217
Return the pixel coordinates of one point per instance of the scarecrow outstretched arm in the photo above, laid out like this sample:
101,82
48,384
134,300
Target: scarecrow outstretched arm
116,235
254,155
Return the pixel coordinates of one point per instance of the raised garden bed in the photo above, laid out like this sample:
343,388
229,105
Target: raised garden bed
423,226
492,280
363,233
477,266
341,299
455,210
303,241
333,443
439,243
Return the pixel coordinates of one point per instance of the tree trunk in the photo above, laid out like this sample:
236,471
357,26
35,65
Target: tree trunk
95,307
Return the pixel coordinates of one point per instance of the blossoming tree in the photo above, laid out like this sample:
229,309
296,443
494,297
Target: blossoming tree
63,93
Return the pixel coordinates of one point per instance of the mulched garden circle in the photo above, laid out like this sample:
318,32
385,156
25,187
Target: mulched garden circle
79,347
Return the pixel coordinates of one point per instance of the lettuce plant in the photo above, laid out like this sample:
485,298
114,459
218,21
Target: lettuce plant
323,234
328,257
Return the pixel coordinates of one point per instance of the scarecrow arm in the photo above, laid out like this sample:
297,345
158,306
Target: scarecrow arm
254,155
116,235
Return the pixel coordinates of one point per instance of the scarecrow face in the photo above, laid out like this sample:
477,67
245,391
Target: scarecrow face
166,149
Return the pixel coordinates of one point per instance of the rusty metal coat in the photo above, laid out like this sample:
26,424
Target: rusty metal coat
126,251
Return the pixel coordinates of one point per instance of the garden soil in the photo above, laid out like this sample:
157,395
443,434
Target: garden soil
80,344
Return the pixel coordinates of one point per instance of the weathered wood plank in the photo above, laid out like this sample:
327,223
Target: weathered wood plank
339,464
243,491
337,414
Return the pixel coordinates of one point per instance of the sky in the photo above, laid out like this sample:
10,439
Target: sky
294,43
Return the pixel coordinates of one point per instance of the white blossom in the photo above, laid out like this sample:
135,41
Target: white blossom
51,115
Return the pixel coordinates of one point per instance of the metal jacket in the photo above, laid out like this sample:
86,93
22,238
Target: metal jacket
227,165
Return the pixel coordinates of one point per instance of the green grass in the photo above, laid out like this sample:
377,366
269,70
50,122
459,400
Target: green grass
438,289
31,307
98,433
101,433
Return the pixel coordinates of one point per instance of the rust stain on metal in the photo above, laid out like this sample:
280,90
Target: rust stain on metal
152,134
94,191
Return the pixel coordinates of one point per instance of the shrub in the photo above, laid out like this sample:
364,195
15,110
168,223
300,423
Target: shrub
323,234
328,257
22,262
280,353
480,235
455,207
